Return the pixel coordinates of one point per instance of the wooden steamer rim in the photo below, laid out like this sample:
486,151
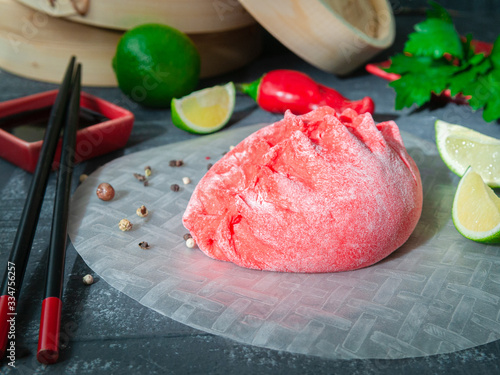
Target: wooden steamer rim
36,46
336,36
189,16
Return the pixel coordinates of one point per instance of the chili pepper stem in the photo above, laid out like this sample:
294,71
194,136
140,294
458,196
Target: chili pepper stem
251,89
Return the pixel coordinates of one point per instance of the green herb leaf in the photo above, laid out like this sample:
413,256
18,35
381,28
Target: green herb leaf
495,53
434,37
492,110
437,11
417,87
435,58
464,78
401,64
410,89
485,92
467,47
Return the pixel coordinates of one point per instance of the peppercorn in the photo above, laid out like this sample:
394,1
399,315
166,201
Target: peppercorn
187,236
144,245
125,225
88,279
175,163
140,177
175,187
142,211
105,191
190,243
186,180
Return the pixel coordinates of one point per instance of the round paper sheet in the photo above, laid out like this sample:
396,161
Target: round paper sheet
438,293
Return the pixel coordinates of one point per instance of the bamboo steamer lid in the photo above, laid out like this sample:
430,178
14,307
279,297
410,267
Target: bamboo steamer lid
336,36
37,46
189,16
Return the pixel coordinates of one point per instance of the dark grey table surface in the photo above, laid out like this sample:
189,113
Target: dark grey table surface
106,332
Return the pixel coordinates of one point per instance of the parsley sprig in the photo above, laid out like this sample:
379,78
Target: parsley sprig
436,58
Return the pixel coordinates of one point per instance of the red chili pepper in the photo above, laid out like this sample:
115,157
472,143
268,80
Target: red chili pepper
279,90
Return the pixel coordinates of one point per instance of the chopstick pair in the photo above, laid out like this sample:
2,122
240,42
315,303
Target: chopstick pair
65,111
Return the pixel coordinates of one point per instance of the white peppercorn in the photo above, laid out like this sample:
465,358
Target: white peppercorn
125,225
190,243
88,279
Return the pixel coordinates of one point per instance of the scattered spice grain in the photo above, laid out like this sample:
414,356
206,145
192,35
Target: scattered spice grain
125,225
190,243
142,211
105,191
88,279
176,163
144,245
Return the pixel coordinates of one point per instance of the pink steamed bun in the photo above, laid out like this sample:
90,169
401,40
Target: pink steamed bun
321,192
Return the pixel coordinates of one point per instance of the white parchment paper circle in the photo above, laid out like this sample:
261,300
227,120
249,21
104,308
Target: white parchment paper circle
436,294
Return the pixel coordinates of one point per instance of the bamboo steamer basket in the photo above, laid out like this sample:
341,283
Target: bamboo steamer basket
189,16
336,36
37,46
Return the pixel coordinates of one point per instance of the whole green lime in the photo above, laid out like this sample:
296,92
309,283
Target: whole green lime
154,63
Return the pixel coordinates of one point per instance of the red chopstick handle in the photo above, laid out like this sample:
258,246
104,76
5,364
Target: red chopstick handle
7,320
50,325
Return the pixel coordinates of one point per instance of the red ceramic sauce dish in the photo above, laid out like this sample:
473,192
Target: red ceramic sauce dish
104,127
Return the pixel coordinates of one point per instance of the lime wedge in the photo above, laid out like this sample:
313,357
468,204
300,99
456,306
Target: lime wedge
204,111
461,147
476,209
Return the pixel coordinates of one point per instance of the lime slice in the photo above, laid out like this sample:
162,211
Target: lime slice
461,147
204,111
476,209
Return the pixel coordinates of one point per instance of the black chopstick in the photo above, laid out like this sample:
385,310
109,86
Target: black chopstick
18,258
50,321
